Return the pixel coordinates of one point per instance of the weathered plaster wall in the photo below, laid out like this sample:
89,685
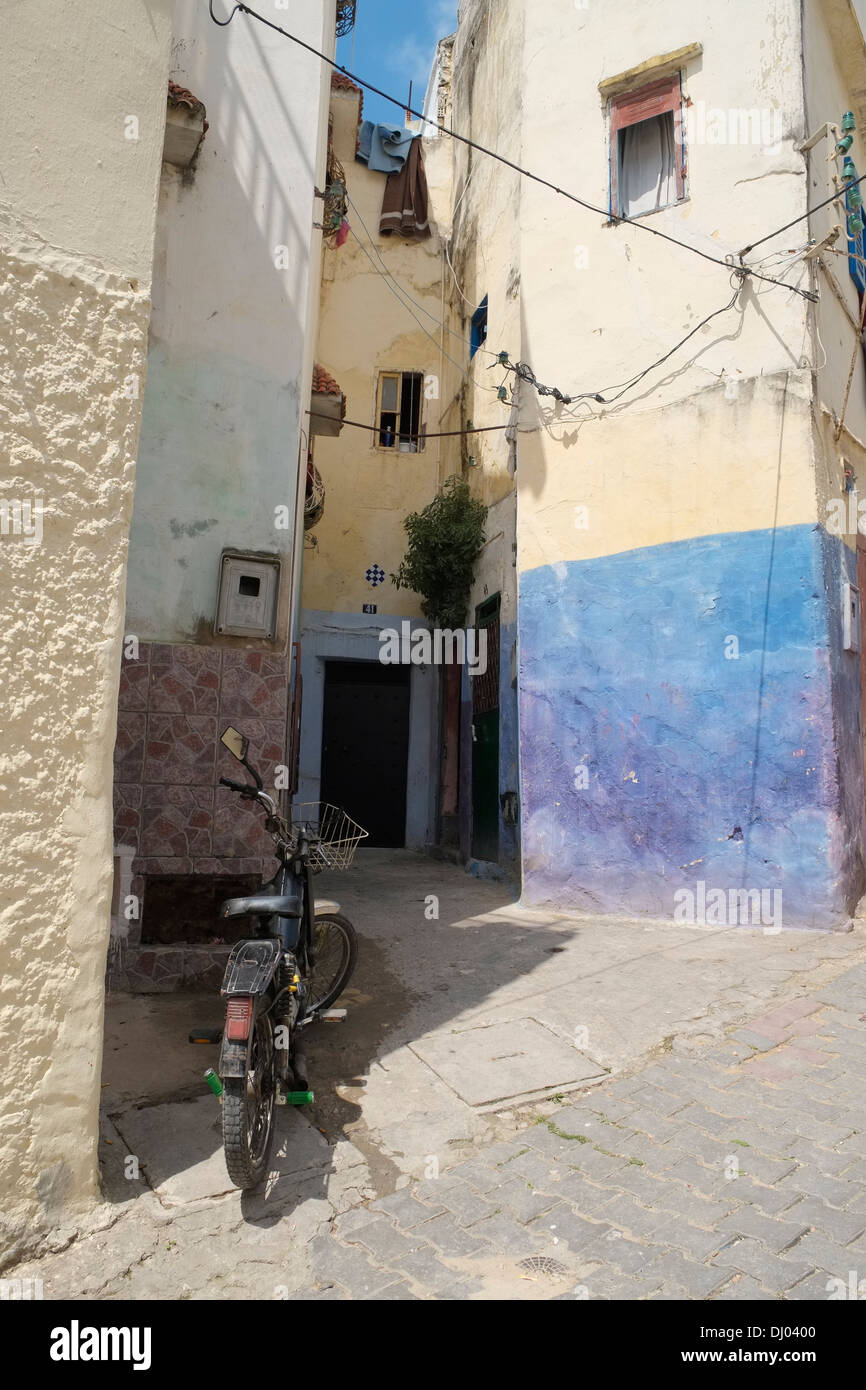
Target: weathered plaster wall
681,461
834,65
717,443
736,460
381,304
76,225
233,325
230,360
480,202
370,323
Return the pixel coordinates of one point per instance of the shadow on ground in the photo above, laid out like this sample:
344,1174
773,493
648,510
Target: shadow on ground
162,1127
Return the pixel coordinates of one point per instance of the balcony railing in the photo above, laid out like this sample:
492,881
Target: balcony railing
345,17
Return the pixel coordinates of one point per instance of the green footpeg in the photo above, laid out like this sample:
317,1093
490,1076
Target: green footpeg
213,1081
299,1097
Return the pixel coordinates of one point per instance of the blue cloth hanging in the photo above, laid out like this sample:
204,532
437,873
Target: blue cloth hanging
383,148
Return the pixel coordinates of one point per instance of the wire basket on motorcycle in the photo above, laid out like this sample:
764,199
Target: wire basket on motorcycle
333,836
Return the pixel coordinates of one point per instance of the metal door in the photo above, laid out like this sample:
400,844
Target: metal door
365,746
485,740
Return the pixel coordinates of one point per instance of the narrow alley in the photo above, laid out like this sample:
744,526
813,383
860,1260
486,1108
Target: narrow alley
704,1145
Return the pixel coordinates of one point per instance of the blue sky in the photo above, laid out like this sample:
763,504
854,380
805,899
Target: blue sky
394,43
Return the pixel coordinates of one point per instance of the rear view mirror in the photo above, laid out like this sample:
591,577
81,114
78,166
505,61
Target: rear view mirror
236,743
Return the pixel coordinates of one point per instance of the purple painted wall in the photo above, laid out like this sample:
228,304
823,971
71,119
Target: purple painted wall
743,771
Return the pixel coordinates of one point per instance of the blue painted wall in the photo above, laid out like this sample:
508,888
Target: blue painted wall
743,773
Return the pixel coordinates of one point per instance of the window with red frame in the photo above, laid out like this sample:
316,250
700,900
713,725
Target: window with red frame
647,149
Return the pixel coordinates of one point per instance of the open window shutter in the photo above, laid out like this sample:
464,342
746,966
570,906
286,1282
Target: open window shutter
641,105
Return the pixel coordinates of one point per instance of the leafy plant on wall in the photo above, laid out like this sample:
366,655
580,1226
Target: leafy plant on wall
444,543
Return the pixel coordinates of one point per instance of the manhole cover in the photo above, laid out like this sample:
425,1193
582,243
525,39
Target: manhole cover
542,1264
504,1060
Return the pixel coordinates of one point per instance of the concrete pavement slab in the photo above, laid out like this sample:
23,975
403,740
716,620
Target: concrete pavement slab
504,1060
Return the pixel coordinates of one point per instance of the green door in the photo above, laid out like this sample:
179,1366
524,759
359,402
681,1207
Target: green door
485,740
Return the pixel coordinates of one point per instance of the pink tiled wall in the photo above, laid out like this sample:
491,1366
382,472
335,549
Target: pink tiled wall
173,704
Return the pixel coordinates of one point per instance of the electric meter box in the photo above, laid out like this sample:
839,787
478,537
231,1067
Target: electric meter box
248,590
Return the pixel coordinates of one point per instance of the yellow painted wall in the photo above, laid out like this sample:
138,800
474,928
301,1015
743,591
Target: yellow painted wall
365,329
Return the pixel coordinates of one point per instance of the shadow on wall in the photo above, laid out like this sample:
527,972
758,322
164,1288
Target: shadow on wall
218,453
223,407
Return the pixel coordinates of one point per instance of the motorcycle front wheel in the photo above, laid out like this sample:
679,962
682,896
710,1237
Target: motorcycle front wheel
248,1111
335,955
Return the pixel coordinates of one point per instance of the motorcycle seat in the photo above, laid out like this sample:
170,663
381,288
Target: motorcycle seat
262,905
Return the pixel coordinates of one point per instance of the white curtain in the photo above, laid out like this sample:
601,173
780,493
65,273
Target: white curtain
648,168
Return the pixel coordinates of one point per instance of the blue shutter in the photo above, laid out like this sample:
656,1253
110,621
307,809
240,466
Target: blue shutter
857,248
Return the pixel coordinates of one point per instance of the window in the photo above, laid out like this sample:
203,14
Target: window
478,333
400,411
647,149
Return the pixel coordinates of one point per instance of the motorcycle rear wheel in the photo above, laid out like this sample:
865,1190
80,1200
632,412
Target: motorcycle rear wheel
248,1112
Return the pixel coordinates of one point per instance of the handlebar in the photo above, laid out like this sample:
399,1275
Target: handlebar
296,839
245,788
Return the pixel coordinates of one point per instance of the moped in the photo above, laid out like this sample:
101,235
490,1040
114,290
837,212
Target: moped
284,977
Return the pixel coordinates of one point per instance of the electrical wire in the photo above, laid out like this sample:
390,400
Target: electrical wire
522,369
524,173
453,276
223,23
445,240
402,288
460,367
525,372
834,198
439,434
794,252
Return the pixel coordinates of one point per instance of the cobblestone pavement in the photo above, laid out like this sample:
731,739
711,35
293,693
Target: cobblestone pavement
734,1170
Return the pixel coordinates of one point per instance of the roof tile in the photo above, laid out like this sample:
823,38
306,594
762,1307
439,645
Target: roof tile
323,383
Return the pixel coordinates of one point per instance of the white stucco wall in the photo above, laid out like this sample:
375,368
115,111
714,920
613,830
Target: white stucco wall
77,208
231,337
587,304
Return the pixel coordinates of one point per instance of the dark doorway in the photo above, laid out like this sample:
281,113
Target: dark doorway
365,746
485,740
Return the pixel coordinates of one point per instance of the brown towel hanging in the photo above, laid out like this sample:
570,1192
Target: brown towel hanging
405,204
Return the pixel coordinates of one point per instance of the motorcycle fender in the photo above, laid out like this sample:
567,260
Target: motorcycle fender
235,1055
234,1058
251,967
326,907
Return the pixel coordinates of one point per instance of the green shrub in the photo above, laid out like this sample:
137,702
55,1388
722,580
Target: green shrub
444,543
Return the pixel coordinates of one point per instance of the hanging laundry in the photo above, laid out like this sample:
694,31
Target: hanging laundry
343,233
383,148
405,204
